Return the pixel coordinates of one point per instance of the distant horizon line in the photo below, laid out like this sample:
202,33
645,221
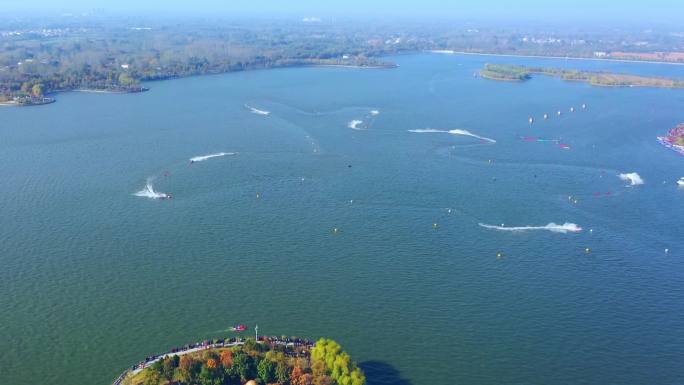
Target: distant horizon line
324,18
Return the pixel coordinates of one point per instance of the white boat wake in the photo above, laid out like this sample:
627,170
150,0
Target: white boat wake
148,192
453,132
552,227
633,178
257,111
205,157
354,124
427,130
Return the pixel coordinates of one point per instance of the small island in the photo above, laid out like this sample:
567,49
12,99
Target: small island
674,139
517,73
268,360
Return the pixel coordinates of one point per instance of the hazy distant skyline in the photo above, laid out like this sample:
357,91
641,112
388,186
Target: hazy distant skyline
596,10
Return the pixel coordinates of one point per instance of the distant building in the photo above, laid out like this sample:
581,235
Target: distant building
124,66
600,54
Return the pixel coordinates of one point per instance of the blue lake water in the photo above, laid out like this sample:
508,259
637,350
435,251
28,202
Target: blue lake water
93,278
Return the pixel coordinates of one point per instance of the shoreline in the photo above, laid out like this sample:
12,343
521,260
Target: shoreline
488,77
135,369
145,89
205,346
669,145
14,103
351,66
450,52
96,91
374,67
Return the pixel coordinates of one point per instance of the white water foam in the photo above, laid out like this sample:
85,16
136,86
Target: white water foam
554,228
454,132
633,178
354,124
148,192
375,112
257,111
205,157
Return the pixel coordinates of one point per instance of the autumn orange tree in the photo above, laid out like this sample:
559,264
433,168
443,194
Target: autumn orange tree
186,368
227,358
212,363
297,373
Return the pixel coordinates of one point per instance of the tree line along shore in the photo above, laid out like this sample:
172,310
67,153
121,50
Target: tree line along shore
32,91
269,361
518,73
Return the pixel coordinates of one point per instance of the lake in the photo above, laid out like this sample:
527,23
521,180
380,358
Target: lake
94,278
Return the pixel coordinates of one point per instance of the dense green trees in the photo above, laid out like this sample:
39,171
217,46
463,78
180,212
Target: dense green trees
244,366
267,371
126,80
338,364
505,72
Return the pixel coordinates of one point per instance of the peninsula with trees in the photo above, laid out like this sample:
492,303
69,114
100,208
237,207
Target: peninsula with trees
268,361
98,55
517,73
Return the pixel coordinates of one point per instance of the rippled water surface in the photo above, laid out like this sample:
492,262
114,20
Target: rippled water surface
96,274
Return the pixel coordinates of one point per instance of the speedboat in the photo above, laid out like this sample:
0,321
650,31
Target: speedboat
680,182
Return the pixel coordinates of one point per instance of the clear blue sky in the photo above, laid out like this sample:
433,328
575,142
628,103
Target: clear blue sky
634,10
